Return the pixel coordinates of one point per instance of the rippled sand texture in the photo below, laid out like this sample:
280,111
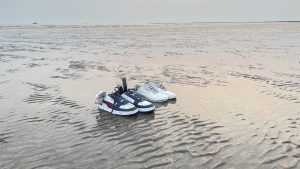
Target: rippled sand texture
238,89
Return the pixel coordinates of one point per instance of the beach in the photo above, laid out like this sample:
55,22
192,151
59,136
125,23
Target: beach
237,86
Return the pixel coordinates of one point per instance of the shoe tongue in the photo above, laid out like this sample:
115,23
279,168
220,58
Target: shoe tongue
116,93
119,89
137,86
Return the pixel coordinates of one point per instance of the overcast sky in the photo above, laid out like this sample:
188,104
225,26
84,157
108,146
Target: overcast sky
145,11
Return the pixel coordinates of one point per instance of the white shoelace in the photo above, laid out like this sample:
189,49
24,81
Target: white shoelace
159,85
150,88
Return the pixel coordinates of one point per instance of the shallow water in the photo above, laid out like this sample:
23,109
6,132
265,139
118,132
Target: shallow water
238,89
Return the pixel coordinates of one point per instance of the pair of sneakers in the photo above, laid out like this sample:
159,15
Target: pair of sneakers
123,102
154,91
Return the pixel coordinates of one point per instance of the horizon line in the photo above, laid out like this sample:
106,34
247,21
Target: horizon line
150,23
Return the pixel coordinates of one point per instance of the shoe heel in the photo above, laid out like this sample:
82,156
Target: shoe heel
99,97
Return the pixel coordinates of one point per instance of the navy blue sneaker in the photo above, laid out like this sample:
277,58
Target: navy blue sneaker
115,104
143,106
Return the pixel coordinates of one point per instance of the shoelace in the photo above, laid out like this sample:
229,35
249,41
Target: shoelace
118,98
150,88
159,85
134,95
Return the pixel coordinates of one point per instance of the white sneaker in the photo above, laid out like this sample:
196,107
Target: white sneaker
150,93
142,105
115,104
161,89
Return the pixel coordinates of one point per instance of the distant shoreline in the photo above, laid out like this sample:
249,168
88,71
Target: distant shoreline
222,22
151,23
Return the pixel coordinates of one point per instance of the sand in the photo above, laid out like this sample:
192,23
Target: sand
238,89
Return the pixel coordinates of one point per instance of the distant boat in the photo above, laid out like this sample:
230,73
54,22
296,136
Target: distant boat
34,23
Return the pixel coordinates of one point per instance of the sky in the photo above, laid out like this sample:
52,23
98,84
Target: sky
146,11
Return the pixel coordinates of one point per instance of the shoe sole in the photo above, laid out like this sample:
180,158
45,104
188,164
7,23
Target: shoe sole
115,112
146,110
171,98
157,101
148,99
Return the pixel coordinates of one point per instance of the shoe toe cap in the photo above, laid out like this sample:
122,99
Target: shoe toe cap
171,95
144,103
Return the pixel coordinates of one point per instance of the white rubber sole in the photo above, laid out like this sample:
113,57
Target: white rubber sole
152,100
148,109
158,101
171,97
121,113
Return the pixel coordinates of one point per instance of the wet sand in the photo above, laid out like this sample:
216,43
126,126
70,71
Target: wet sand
238,89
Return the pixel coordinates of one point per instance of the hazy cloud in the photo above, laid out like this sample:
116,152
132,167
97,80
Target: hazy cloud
142,11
